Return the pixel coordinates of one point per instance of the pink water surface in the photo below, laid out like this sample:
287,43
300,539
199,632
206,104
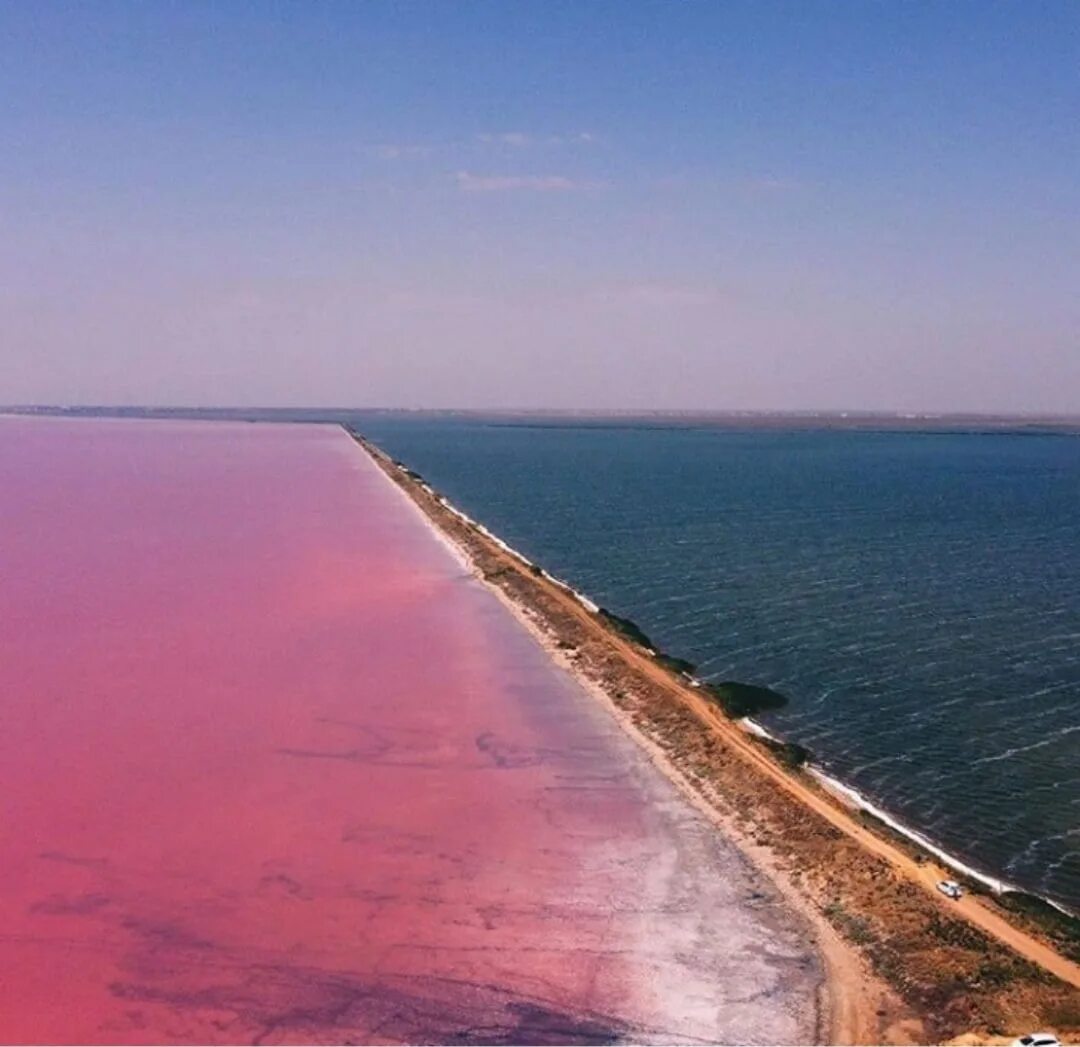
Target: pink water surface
275,768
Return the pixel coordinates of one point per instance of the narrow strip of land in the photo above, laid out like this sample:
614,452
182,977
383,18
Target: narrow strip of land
926,874
575,625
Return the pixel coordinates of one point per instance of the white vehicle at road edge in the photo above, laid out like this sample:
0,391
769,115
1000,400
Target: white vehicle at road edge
951,889
1037,1039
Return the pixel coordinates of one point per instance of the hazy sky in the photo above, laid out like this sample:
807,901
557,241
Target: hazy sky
588,204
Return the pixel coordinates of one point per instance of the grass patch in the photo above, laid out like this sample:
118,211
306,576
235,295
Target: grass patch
1065,1013
848,924
996,974
1061,927
956,932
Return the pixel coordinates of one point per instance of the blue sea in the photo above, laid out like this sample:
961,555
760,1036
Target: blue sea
915,595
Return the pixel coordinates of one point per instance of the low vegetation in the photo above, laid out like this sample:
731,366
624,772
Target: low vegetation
676,665
790,754
412,474
896,838
626,628
1062,928
743,699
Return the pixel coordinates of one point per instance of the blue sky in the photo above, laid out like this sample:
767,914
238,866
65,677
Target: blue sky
614,205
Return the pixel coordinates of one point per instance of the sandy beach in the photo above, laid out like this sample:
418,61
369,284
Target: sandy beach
280,768
903,964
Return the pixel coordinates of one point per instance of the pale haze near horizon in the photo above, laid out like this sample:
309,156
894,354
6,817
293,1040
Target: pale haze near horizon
606,205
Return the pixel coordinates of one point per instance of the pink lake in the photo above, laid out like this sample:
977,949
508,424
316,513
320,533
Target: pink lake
276,768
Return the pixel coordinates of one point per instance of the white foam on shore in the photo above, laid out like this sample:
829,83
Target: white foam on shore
580,597
852,797
755,728
858,800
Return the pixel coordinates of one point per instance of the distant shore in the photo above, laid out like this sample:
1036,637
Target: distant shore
956,422
941,969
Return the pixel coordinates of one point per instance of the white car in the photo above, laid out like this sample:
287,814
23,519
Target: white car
1037,1039
951,889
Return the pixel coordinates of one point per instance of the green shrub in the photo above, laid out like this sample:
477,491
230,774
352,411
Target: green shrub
676,665
626,627
1063,927
743,699
788,753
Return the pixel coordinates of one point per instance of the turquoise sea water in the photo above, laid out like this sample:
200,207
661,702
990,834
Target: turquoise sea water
917,596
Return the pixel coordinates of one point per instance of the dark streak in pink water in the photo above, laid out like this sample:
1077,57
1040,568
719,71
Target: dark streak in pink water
274,768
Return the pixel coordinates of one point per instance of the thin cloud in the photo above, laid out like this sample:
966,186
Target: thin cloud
519,139
524,140
509,139
468,182
772,184
392,151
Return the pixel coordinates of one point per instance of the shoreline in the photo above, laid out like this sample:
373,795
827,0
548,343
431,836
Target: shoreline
848,794
851,1001
890,1006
